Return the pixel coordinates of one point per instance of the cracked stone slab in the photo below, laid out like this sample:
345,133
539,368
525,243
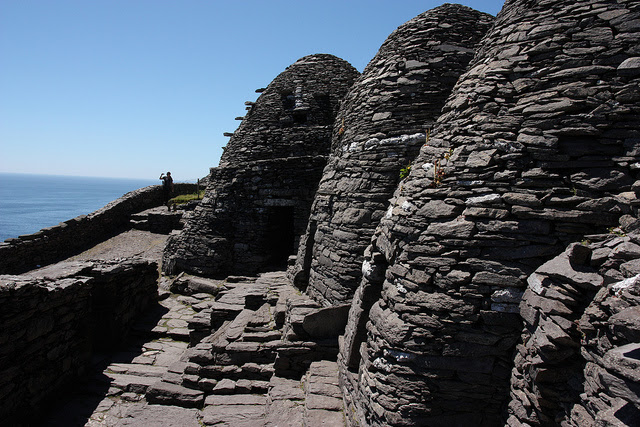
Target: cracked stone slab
134,383
319,417
146,415
285,413
167,393
234,415
138,370
236,399
282,388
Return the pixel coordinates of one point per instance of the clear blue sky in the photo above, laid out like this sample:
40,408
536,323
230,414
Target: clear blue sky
132,88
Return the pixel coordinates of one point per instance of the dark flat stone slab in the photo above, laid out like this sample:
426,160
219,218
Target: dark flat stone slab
234,415
285,413
134,383
173,394
319,417
160,415
236,399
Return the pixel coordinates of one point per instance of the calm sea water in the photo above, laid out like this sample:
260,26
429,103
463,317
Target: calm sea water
29,203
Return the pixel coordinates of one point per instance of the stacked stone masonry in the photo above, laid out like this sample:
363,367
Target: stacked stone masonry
579,362
536,147
53,244
381,125
258,200
55,318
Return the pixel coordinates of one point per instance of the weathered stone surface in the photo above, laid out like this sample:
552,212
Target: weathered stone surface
132,383
224,386
240,399
173,394
318,401
625,361
318,417
561,267
187,284
170,416
326,322
234,415
282,388
627,323
284,412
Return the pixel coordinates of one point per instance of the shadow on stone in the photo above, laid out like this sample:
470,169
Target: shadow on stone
76,404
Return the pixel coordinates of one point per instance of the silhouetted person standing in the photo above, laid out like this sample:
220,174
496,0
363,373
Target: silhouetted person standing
167,188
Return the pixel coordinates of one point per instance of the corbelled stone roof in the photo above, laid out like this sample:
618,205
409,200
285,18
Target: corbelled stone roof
258,199
381,125
281,123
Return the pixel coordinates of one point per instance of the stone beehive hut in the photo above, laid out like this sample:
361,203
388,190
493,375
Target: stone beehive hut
379,130
578,362
258,199
536,147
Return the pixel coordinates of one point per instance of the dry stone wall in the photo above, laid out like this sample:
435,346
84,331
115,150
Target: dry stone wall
536,147
55,318
579,361
258,200
381,126
70,237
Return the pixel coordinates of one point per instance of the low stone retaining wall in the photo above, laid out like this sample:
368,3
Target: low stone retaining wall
53,244
54,319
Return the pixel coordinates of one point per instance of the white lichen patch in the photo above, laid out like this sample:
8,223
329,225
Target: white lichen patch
486,199
407,206
428,167
508,295
367,269
535,283
400,356
389,213
619,287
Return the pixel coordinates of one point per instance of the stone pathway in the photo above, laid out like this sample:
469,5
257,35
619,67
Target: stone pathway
115,395
250,371
128,244
154,380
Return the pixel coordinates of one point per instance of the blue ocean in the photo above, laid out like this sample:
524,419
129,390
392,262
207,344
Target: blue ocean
29,203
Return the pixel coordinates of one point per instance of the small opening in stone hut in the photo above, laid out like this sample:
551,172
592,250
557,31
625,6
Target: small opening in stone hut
280,237
300,117
288,100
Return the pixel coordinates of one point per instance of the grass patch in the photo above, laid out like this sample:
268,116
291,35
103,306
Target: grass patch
184,198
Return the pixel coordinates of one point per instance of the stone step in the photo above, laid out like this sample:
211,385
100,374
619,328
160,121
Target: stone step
130,383
137,369
265,336
238,415
241,410
142,224
172,394
249,371
285,405
323,398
